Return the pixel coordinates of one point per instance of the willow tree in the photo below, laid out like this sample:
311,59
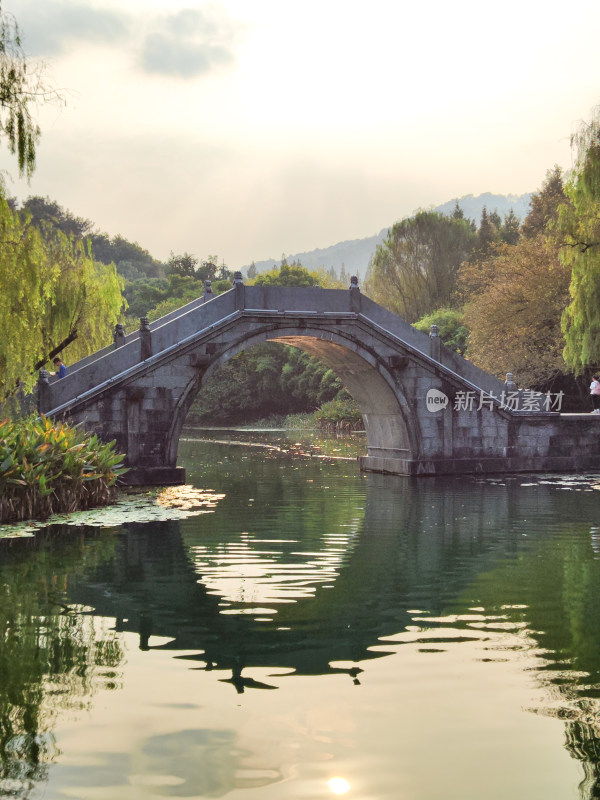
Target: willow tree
52,291
580,225
414,270
86,299
27,282
23,86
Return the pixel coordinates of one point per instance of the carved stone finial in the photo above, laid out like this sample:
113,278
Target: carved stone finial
119,335
237,278
145,339
510,382
43,376
207,288
434,331
354,295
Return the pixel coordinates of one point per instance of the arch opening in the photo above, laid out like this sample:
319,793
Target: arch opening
388,420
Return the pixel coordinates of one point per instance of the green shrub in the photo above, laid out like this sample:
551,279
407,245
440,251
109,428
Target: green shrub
451,328
342,413
48,468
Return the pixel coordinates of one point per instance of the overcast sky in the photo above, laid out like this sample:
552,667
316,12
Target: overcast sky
250,128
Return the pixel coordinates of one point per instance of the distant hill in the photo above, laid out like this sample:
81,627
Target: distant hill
354,255
473,206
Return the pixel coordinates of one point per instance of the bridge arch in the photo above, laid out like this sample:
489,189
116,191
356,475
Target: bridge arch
427,410
390,424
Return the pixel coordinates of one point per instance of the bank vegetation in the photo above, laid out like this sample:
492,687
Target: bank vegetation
50,468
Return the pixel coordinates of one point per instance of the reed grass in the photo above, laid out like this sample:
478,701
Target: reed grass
48,468
341,415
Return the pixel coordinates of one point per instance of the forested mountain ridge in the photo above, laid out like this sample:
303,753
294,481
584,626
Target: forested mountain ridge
354,254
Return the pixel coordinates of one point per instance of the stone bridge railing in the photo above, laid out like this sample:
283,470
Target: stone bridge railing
138,391
131,351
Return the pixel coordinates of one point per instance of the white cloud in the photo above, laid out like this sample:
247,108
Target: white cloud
253,127
53,27
190,43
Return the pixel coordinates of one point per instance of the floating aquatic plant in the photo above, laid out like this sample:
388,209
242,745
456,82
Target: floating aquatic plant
175,502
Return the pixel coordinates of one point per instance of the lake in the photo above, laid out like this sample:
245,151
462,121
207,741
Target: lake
287,627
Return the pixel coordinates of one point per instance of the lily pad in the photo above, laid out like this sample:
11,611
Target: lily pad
173,502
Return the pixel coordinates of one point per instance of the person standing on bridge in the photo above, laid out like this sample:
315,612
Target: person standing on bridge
60,368
595,393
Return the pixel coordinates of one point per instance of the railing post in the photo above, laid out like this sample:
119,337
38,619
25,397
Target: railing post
208,292
354,295
510,384
238,285
435,343
43,390
145,339
119,335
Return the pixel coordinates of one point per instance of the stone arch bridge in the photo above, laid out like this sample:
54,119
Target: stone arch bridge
427,410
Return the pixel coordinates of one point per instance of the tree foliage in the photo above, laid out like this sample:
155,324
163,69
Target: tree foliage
293,274
513,314
514,293
579,223
451,328
545,205
23,86
131,260
414,270
51,288
268,379
44,210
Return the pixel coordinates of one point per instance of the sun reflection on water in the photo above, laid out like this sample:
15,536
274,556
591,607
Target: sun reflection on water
338,785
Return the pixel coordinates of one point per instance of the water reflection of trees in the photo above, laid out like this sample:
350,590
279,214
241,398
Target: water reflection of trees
442,546
551,587
49,652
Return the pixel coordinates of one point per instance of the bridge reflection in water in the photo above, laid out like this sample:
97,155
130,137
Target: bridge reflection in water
303,585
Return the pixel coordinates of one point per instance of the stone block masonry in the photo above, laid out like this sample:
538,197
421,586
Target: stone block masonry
426,410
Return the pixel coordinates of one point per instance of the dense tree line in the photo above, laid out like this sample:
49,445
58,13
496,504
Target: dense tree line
513,296
520,297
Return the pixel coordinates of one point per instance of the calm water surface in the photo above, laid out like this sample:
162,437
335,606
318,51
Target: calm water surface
317,633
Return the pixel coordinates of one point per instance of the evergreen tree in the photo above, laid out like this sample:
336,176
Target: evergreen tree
487,235
543,213
458,213
510,230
